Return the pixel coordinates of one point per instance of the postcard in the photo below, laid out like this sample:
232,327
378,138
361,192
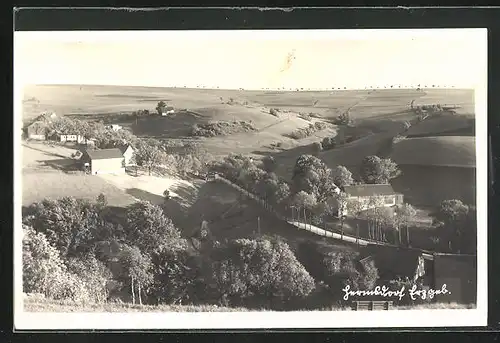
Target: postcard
250,179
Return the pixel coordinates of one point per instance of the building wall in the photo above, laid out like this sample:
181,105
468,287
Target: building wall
459,273
365,200
108,166
128,156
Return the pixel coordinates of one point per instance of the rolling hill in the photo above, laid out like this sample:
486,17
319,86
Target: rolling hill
446,151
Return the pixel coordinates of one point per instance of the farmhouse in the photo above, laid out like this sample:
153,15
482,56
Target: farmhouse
39,127
128,153
106,161
167,110
364,192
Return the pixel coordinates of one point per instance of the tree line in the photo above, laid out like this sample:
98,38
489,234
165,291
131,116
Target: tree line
85,251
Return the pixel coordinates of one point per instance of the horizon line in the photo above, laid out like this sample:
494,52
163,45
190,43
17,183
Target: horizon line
401,87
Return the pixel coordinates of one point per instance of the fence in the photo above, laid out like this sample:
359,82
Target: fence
303,226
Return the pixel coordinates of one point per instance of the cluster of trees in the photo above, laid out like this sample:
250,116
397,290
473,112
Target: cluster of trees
456,223
220,128
81,250
309,130
256,177
344,119
104,138
377,170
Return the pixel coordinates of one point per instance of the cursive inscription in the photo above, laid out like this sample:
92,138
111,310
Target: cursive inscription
385,292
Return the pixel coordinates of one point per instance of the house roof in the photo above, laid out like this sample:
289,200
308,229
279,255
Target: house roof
366,190
104,154
124,148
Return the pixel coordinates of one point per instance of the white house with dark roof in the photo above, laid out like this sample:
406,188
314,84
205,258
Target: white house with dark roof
105,161
364,192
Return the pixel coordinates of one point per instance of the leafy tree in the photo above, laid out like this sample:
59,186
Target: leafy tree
404,216
269,164
148,228
180,276
70,224
376,170
328,143
344,119
452,217
342,201
94,274
375,217
317,148
160,107
45,272
264,270
311,175
342,176
149,155
304,201
102,201
355,209
138,268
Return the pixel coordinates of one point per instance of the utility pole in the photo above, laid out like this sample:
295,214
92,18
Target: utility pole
258,225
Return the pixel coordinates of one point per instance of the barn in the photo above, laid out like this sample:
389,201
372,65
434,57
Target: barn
105,161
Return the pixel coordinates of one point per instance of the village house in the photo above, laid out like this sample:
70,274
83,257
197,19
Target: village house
128,154
114,127
363,193
71,138
167,110
38,129
105,161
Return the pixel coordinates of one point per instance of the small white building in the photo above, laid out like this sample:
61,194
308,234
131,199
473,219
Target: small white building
363,194
114,127
72,138
168,110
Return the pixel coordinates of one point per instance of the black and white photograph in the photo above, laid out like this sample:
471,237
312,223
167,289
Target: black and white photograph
250,179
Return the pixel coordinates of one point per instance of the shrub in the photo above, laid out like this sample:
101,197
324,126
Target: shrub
274,112
328,143
344,119
308,131
221,128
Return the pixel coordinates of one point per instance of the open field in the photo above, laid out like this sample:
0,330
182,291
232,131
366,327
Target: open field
381,110
445,151
42,179
429,185
444,125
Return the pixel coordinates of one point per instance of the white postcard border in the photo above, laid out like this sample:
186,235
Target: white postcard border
267,320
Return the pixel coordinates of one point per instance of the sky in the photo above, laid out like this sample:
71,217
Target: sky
312,59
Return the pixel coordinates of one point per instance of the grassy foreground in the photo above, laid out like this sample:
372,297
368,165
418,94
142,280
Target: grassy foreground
48,305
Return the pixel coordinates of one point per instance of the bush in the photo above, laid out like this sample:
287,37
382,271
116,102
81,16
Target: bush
274,112
344,119
221,128
308,131
328,143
